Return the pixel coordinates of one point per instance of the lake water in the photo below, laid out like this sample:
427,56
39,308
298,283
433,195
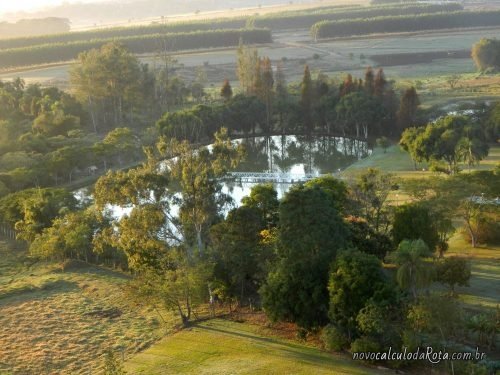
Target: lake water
292,157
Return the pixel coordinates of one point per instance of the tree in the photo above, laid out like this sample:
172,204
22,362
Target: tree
178,284
486,54
122,143
355,278
310,233
264,198
369,81
198,172
107,81
182,125
408,143
413,273
366,239
306,100
413,222
383,143
246,66
408,107
453,271
369,193
360,111
226,91
239,259
32,210
265,90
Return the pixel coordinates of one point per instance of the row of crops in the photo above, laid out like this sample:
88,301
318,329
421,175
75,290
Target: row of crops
406,23
56,52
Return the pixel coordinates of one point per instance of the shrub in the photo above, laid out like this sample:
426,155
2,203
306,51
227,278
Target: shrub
333,338
365,345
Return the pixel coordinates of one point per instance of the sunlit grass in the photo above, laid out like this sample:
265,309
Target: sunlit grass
226,347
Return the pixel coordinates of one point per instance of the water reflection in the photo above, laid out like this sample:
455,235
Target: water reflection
296,155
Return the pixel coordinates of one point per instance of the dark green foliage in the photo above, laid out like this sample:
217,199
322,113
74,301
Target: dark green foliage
450,139
355,278
365,345
453,271
56,52
365,239
413,222
405,23
334,339
239,258
310,233
486,54
264,198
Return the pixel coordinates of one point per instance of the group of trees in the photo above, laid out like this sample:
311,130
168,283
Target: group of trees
405,23
451,139
267,105
57,52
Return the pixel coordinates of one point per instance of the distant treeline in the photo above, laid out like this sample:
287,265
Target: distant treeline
287,20
36,26
49,53
436,21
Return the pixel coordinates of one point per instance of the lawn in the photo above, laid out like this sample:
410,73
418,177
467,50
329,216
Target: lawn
227,347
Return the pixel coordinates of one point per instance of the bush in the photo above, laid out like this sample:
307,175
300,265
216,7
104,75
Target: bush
365,345
334,339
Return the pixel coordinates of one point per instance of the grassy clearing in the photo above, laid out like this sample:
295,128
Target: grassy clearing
483,291
63,322
226,347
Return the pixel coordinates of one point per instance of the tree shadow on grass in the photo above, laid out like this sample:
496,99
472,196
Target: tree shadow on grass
279,347
31,292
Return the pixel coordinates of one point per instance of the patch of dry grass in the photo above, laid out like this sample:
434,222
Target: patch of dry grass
63,322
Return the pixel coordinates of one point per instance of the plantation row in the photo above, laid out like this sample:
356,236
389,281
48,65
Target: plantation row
436,21
49,53
287,20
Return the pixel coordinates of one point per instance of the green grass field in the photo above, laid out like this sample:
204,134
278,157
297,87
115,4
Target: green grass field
227,347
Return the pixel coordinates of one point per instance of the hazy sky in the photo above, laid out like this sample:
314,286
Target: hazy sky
28,5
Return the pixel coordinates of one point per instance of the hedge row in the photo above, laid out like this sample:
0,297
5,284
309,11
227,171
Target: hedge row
307,20
436,21
287,20
58,52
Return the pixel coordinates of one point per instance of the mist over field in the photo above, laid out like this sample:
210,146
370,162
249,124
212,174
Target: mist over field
90,12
